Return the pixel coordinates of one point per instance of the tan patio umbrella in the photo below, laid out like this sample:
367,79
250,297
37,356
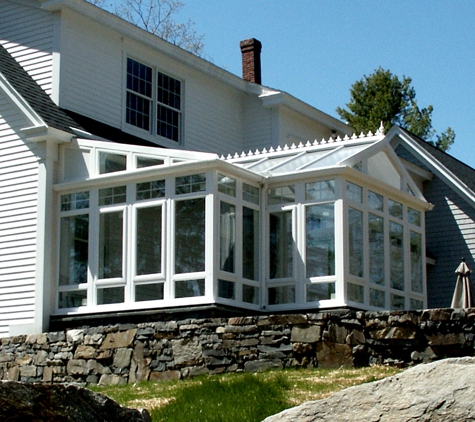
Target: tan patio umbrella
463,297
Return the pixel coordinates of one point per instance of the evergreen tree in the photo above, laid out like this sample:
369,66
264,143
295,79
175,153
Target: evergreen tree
383,97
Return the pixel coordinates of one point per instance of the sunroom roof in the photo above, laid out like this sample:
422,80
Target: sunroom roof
311,156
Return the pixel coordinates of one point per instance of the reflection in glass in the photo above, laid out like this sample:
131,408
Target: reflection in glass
416,304
190,184
395,209
110,244
73,257
375,201
320,240
396,244
282,294
227,237
110,295
355,240
250,294
281,195
250,193
354,192
320,291
189,288
190,236
144,292
250,243
150,190
226,185
377,298
110,163
416,262
320,191
281,245
72,299
355,292
414,217
376,249
149,240
397,303
226,289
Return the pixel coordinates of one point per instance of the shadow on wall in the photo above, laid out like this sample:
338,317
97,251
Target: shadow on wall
448,227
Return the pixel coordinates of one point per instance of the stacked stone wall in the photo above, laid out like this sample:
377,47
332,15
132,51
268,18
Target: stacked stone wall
128,353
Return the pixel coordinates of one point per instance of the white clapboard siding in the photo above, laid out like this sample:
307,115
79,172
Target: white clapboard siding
26,31
18,211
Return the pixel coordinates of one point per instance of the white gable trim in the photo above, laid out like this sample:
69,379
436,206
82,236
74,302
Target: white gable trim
20,103
435,165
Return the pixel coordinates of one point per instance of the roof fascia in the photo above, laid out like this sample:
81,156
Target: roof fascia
20,103
144,37
275,99
435,165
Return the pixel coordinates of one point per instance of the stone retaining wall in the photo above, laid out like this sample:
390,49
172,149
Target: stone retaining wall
123,353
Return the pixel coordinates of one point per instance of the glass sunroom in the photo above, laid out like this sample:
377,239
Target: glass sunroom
323,225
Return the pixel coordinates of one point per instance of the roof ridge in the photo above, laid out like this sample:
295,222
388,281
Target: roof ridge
307,145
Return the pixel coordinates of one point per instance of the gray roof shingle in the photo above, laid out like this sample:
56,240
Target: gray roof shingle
34,95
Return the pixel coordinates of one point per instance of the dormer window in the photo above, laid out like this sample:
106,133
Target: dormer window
153,101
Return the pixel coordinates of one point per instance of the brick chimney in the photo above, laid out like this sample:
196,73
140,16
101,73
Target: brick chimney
251,60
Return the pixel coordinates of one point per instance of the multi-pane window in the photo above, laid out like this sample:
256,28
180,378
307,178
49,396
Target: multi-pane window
157,112
320,240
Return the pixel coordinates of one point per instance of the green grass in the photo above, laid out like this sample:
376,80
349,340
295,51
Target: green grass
241,397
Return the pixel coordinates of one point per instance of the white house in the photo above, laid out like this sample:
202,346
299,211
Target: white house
137,178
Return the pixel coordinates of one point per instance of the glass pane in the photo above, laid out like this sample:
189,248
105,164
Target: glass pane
355,240
281,195
111,196
189,184
281,245
168,90
75,201
250,294
73,256
150,190
72,299
355,292
282,294
395,209
110,244
250,193
227,237
397,303
414,217
148,162
396,245
189,288
168,123
354,192
320,240
375,201
227,185
139,78
144,292
416,262
149,240
190,236
137,112
110,295
110,163
377,298
416,304
320,291
320,191
226,289
250,243
376,249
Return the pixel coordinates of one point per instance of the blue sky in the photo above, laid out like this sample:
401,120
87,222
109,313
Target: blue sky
315,50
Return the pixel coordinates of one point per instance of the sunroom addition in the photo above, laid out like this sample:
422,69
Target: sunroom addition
330,224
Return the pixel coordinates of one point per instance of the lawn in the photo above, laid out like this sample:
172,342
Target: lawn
238,397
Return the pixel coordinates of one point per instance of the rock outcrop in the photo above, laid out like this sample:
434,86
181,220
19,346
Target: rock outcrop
61,403
439,391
